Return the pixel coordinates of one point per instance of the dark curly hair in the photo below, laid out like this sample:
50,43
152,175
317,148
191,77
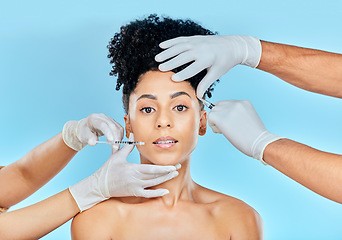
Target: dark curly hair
132,50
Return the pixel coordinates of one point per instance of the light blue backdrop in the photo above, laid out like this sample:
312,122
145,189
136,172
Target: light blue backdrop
53,68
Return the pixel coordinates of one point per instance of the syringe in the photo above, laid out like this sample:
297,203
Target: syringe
121,142
207,103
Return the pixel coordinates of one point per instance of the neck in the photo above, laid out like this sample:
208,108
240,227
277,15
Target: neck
180,187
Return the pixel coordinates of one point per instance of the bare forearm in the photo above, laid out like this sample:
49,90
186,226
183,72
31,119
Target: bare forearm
319,171
309,69
38,220
22,178
46,160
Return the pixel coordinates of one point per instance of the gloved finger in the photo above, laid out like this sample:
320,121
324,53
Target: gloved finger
152,193
112,132
107,126
115,148
226,103
156,169
189,71
96,131
205,83
126,149
86,135
143,176
152,174
94,121
92,139
214,127
171,52
227,106
159,180
180,60
173,41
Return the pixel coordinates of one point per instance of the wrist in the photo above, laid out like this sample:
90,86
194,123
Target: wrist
76,209
261,143
252,51
276,150
86,193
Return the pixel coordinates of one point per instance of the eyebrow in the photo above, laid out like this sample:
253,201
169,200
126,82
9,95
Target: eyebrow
172,96
149,96
177,94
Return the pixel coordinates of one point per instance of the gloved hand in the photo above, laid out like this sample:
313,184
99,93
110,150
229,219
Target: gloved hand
77,134
118,178
242,126
217,54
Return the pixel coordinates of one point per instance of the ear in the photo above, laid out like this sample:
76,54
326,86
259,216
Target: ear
203,123
127,126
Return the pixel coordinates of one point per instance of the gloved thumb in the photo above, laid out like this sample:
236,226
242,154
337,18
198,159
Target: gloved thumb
205,83
92,140
115,148
127,149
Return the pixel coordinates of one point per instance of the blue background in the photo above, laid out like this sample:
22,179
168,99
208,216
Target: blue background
54,68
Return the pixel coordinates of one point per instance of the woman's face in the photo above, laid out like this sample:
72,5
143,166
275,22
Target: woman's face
166,116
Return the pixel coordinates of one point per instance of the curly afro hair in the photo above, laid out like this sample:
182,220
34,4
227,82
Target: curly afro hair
132,50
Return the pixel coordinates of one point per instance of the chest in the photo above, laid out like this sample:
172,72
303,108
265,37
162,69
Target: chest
191,223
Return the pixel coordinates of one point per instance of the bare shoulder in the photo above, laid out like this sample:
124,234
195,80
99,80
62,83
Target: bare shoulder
96,222
242,220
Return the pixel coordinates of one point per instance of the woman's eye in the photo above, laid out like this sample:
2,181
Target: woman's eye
181,108
147,109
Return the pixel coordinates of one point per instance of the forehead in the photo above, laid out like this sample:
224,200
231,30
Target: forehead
160,83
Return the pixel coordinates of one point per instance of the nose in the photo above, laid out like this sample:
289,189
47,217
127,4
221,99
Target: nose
164,120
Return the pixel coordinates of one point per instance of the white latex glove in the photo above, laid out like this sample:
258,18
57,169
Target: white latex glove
217,54
242,126
119,178
77,134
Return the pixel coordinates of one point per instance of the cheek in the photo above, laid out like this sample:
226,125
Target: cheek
140,130
189,128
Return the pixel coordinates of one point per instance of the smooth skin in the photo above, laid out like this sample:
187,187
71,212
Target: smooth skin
189,211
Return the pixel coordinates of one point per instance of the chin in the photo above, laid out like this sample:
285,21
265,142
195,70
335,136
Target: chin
162,159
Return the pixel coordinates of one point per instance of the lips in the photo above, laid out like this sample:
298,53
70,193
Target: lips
165,142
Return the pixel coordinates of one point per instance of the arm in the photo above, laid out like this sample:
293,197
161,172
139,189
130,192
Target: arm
22,178
125,179
313,70
37,220
241,125
319,171
309,69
